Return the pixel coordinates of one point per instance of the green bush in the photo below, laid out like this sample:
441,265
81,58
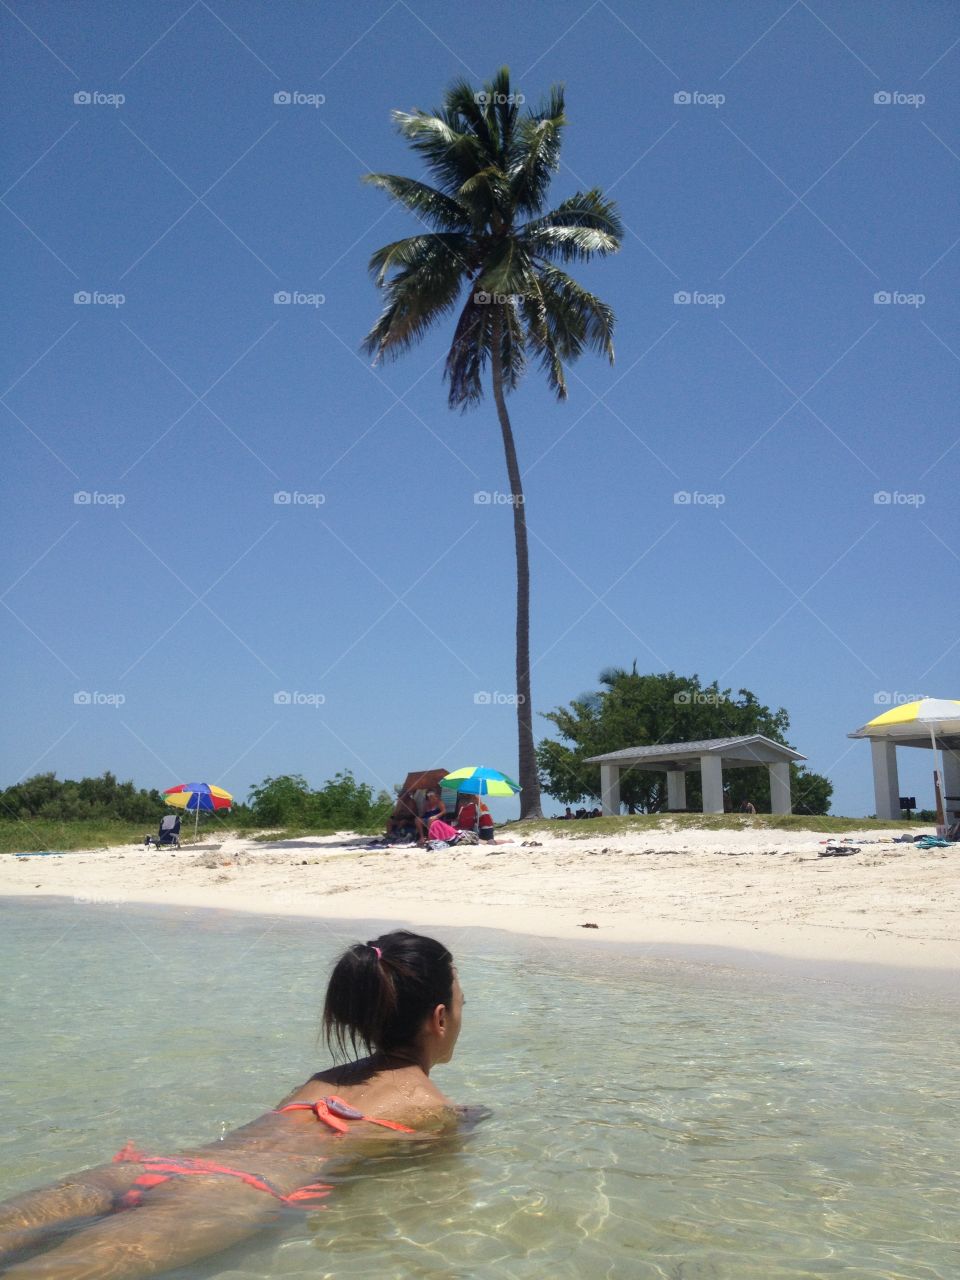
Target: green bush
341,803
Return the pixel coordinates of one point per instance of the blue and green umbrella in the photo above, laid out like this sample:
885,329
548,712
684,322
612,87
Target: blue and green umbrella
477,780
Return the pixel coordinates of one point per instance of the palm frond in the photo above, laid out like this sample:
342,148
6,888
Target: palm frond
576,315
585,226
451,155
468,354
417,249
535,153
432,207
418,295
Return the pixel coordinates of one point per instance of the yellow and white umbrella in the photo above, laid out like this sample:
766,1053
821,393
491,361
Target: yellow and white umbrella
938,717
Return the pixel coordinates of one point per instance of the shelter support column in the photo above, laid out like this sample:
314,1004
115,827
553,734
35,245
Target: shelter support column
610,789
676,789
780,801
951,784
886,784
711,777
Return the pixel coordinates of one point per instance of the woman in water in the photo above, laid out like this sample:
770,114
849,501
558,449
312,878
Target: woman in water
396,999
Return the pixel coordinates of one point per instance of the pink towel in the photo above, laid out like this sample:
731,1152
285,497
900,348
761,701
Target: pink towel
440,830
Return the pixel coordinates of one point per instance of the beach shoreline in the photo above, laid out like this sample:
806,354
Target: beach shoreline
753,898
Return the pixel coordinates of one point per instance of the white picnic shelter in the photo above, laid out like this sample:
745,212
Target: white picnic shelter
709,755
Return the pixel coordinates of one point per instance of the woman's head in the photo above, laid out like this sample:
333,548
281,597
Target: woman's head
389,993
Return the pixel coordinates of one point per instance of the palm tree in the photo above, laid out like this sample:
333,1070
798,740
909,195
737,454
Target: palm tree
488,234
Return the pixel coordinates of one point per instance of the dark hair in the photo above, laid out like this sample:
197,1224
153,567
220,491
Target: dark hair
379,1002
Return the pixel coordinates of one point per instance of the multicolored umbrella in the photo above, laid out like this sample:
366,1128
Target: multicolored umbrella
194,796
477,780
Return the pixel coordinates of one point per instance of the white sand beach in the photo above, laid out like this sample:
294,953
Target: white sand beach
760,892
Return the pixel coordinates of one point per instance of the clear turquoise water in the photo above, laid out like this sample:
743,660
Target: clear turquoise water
651,1119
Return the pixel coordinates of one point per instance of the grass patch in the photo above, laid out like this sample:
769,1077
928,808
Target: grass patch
590,828
36,835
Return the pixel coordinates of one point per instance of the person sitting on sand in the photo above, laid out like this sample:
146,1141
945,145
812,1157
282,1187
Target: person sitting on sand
467,819
402,823
396,999
432,810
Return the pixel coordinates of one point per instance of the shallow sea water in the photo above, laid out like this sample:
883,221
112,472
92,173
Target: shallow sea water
653,1120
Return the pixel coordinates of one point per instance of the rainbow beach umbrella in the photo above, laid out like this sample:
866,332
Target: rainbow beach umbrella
477,780
194,796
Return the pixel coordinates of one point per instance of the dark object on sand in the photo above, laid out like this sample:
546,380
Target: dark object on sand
589,926
839,851
169,834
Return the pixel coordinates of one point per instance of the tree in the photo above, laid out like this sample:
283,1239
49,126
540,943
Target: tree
634,710
492,165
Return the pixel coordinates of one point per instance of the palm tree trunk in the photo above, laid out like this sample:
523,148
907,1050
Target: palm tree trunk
528,777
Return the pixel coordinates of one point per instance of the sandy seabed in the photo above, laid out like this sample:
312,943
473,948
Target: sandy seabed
756,896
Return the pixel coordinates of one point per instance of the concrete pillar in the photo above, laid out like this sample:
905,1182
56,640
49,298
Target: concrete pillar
886,784
610,789
711,778
951,784
780,801
676,789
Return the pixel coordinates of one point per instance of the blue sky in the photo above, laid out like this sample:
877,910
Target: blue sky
183,598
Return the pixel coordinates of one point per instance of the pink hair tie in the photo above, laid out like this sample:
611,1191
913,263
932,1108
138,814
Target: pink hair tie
376,949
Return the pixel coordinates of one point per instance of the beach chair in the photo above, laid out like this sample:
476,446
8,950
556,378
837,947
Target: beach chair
168,835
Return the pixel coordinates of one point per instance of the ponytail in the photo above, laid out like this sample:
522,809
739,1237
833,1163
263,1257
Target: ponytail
380,992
